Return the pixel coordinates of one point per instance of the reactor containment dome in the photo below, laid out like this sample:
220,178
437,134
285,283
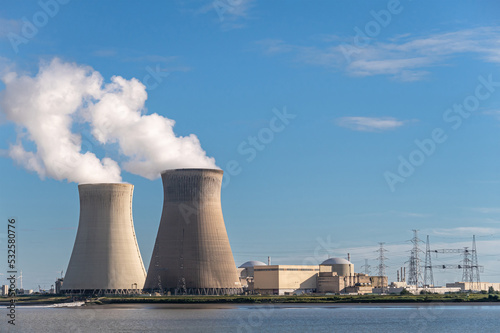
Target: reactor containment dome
340,266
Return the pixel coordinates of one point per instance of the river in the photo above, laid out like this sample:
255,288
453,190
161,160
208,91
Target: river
206,318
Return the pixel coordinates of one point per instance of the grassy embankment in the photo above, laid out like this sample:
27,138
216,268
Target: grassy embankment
36,299
448,298
302,299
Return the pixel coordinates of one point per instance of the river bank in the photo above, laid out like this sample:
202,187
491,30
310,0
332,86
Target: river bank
256,299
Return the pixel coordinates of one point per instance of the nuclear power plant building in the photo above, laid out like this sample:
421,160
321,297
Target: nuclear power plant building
106,257
334,275
192,254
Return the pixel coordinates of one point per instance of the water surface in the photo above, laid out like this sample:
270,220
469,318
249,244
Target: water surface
257,318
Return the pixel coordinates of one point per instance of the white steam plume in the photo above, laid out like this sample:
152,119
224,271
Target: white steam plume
45,107
148,140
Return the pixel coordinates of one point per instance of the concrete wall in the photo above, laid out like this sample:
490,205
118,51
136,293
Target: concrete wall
397,287
105,256
329,282
474,286
280,279
192,253
379,282
343,269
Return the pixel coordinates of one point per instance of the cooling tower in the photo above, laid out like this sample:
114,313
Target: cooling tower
192,254
106,257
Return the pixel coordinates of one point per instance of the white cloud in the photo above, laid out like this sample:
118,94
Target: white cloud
369,124
487,210
410,214
7,26
404,57
105,53
6,66
392,213
465,231
493,113
151,58
230,13
274,46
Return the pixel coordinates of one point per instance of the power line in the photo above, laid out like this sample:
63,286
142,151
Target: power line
428,275
381,266
475,266
466,264
415,273
469,266
366,267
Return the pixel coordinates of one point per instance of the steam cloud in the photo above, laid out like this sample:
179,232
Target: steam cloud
47,106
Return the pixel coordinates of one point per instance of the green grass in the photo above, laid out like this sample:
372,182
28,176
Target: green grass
37,299
301,299
257,299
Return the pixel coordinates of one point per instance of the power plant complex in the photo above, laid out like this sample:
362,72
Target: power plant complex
192,254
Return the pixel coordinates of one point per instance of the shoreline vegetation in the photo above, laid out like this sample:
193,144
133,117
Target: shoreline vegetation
255,299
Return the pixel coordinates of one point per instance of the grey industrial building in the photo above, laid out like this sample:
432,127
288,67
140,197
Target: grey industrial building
105,257
192,254
334,275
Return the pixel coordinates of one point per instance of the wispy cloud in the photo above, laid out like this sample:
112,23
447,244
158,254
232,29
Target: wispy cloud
369,124
404,57
276,46
231,14
487,182
105,53
7,26
393,213
398,254
465,231
167,63
493,113
410,214
151,58
6,65
487,210
132,56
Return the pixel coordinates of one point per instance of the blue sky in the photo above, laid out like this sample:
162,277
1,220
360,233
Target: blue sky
361,83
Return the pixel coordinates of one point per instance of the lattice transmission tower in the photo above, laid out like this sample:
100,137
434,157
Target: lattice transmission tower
381,266
428,275
366,267
469,265
466,264
476,280
415,272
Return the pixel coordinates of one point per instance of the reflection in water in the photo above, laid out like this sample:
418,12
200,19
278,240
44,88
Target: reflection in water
257,318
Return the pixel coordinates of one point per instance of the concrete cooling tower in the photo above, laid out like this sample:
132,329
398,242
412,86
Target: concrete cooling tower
192,254
106,257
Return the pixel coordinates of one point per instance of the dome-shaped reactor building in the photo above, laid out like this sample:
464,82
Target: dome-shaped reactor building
106,257
192,254
252,263
341,266
246,272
